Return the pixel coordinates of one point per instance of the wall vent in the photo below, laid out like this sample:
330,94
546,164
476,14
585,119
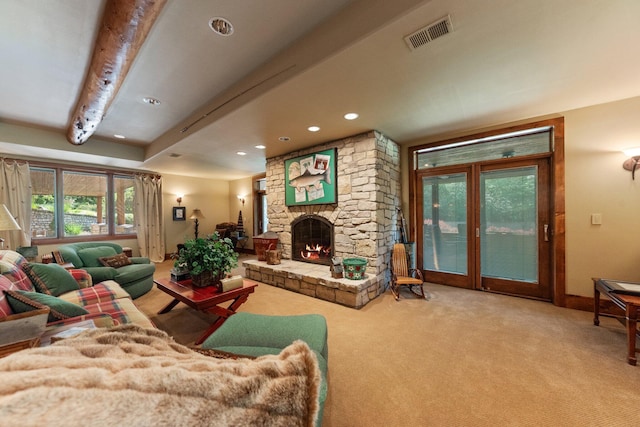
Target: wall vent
419,38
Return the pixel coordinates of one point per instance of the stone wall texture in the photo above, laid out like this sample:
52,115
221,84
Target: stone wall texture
366,216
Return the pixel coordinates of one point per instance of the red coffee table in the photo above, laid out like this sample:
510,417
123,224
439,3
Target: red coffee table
205,299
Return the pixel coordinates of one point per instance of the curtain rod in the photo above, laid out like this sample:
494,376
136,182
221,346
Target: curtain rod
81,166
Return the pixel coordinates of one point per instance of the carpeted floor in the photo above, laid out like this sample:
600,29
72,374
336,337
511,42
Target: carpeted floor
464,358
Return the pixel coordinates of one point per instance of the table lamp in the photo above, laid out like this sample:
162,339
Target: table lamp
7,223
196,215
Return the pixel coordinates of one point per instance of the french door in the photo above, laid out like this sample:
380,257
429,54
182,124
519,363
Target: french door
487,226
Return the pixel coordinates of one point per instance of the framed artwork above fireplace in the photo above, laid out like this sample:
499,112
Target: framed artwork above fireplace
311,179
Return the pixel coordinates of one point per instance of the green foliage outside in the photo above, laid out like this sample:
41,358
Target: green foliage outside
72,229
82,205
507,199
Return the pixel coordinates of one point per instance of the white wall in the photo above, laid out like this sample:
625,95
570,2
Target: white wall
597,183
217,199
209,195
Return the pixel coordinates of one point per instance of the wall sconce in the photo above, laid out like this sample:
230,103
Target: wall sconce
241,198
179,199
631,164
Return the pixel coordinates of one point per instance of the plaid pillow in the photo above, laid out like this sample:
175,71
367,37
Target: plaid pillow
12,257
5,285
16,276
102,292
81,277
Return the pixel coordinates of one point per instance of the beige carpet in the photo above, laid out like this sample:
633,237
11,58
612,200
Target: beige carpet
464,358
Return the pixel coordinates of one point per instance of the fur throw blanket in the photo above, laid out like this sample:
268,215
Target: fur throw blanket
131,376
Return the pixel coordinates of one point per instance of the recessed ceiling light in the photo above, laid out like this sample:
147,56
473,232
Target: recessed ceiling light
117,135
284,139
351,116
313,128
260,147
151,101
221,26
241,153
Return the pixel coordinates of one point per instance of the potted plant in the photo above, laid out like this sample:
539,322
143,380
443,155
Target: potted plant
208,259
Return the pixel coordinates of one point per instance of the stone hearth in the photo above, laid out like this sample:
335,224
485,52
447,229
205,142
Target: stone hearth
364,219
313,280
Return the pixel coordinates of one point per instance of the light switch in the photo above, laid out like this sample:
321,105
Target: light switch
596,219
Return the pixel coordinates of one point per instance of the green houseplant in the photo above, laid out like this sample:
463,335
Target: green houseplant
208,259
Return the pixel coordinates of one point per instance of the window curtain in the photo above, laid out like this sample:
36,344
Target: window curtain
148,212
15,194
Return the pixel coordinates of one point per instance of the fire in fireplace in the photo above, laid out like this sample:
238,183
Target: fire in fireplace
312,239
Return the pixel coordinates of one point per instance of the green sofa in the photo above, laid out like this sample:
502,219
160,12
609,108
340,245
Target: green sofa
136,278
257,335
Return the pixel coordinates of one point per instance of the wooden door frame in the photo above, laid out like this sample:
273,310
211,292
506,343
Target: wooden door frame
461,281
543,214
557,186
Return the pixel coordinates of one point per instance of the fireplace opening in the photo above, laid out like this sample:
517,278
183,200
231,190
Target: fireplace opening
312,239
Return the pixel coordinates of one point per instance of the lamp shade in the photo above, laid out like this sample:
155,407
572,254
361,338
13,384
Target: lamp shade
7,222
196,214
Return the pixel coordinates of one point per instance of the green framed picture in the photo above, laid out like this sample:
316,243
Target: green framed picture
311,179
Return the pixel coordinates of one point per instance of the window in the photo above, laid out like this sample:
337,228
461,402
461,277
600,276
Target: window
43,203
123,202
72,203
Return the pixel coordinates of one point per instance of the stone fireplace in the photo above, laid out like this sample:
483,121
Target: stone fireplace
312,239
363,221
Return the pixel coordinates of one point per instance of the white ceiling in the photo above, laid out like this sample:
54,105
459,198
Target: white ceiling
295,63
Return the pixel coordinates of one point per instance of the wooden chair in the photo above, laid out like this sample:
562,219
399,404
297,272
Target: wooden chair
402,275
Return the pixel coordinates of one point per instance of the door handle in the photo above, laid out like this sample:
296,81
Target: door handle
546,232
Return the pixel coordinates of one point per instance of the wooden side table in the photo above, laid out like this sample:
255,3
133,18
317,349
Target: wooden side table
629,304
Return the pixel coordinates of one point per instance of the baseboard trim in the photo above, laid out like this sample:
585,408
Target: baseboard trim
578,302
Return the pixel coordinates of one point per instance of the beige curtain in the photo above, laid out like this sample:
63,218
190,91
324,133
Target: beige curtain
15,194
148,211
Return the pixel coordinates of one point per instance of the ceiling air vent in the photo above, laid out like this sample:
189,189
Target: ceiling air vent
429,33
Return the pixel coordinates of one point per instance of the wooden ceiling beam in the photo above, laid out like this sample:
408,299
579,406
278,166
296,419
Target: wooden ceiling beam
125,25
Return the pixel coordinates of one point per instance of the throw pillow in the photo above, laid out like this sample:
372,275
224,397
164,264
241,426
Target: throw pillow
23,301
90,256
51,279
115,261
16,275
82,278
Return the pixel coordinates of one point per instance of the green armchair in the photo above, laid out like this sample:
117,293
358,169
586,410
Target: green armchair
135,278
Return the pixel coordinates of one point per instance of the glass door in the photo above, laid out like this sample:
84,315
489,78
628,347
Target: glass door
445,227
513,230
487,227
